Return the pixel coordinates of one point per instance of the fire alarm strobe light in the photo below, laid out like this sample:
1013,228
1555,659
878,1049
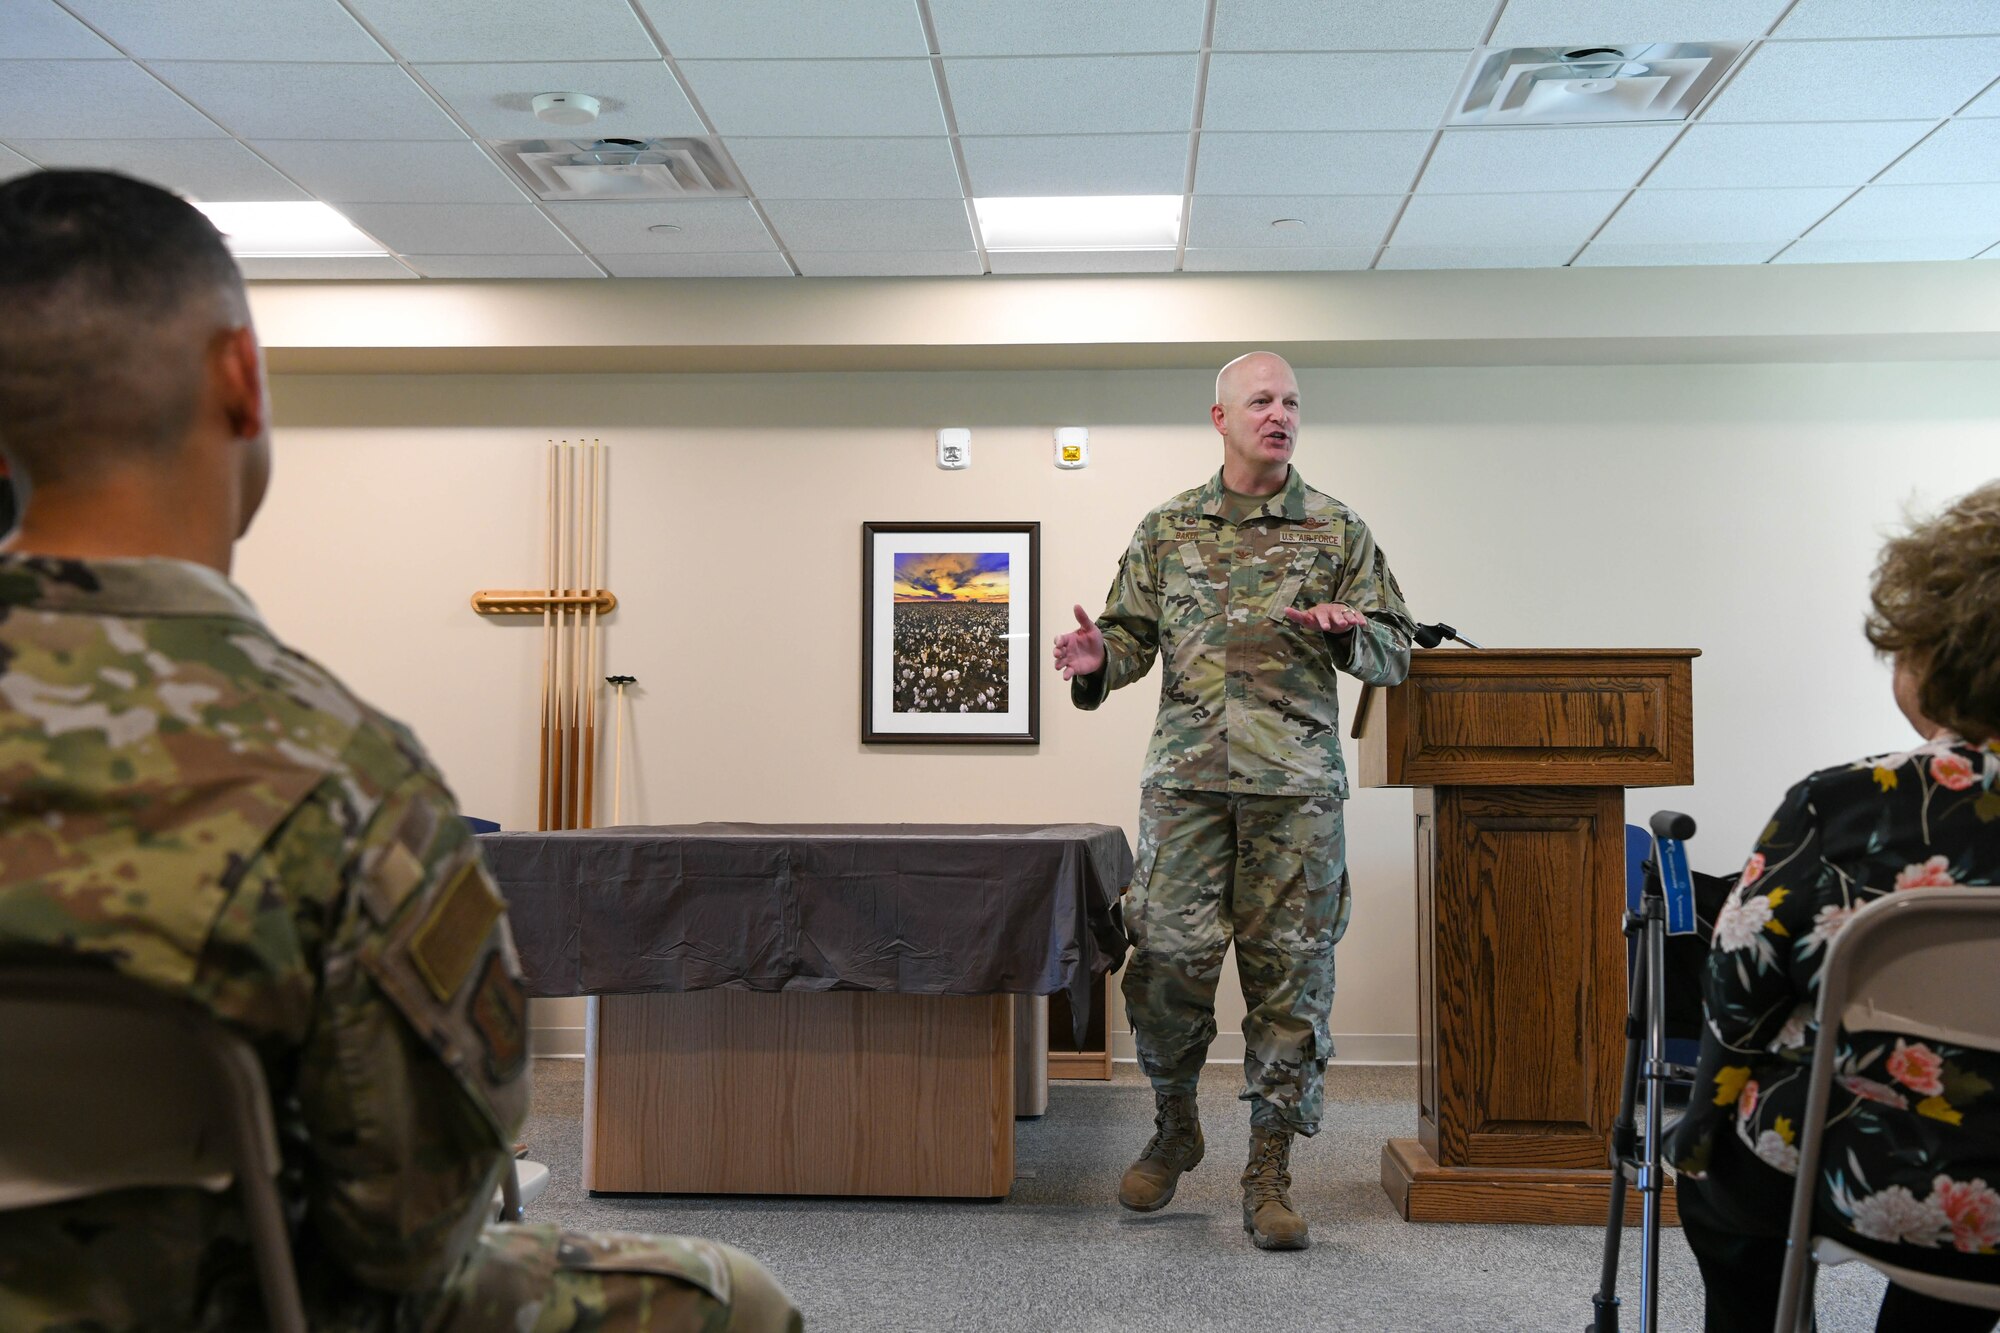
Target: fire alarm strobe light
1072,446
954,448
565,108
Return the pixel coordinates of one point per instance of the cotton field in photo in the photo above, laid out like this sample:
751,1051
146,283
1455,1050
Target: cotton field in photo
951,657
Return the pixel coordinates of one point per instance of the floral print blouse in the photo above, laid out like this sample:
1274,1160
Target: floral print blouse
1912,1154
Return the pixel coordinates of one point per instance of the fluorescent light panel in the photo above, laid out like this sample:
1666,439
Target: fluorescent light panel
1081,222
287,231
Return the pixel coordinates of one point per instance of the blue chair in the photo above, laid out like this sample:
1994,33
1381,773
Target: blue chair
478,825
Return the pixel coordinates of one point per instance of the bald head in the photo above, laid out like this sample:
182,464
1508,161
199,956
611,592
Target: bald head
111,294
1233,379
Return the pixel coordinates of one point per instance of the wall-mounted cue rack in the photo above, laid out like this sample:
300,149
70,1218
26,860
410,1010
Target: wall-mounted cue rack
575,596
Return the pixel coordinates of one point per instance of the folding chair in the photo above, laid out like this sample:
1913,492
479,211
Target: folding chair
1917,963
111,1084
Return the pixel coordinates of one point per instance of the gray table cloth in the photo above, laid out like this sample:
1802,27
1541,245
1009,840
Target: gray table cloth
920,909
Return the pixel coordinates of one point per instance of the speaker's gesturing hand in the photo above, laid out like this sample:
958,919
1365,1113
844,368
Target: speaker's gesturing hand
1081,651
1328,617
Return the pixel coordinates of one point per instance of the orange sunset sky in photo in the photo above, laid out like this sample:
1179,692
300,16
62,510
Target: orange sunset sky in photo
960,577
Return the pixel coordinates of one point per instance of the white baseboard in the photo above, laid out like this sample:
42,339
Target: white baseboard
560,1043
1355,1048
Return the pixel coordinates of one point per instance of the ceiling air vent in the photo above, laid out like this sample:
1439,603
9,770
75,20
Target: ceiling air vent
566,169
1591,85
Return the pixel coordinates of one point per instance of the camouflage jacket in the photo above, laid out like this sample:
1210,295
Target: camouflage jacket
188,802
1247,699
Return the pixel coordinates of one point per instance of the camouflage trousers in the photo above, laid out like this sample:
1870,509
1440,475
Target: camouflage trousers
542,1279
1268,873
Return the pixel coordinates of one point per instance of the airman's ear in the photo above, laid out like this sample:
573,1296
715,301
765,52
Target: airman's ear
234,362
1217,415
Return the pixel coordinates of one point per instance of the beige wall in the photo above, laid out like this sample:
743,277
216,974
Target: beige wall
1733,509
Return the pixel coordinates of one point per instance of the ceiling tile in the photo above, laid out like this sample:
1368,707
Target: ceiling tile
1062,27
1315,25
852,224
887,263
1483,220
1051,164
641,98
706,225
93,99
1407,90
41,30
753,29
732,264
1600,255
1890,18
1073,94
1378,162
1278,261
1663,217
1827,152
315,30
1524,159
1081,261
1572,23
1987,105
1474,256
1243,222
12,164
503,266
1913,212
848,168
464,229
1864,80
217,170
1960,151
1813,250
298,101
837,98
509,29
354,171
338,268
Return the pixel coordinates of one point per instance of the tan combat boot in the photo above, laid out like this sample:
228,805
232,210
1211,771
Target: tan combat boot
1268,1214
1175,1147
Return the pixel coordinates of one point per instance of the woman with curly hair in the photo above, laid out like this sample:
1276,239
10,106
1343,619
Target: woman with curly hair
1911,1170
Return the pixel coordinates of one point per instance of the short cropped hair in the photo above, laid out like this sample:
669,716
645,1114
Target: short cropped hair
109,290
1936,601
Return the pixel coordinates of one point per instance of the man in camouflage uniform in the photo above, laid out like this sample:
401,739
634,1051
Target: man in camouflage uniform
191,804
1253,589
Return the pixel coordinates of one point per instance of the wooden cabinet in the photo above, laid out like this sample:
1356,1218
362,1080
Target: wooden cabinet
1520,759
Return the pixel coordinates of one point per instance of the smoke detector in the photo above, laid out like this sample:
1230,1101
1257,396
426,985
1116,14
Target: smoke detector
1591,85
576,169
565,108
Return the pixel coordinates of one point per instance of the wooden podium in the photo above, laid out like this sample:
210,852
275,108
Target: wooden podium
1521,758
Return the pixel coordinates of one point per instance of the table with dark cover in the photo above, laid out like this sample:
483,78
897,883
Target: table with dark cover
922,909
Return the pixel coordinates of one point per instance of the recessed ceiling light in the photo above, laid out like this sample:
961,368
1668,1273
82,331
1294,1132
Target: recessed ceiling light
1081,222
1288,224
288,230
664,228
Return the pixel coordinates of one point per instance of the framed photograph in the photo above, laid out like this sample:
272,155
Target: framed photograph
950,617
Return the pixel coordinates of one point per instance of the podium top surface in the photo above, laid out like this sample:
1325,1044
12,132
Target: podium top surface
1567,717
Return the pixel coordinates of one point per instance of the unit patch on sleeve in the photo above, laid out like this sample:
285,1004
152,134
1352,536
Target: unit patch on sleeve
499,1014
447,944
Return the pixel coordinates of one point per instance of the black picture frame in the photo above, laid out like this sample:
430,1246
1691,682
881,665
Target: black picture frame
933,676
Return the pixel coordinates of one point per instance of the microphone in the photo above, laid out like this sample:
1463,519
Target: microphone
1430,636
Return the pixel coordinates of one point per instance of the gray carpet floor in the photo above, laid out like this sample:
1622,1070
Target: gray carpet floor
1060,1254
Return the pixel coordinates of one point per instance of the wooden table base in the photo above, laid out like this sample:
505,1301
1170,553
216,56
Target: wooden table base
1423,1191
834,1092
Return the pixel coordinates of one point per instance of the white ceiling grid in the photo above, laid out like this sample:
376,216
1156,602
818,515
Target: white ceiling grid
1850,130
